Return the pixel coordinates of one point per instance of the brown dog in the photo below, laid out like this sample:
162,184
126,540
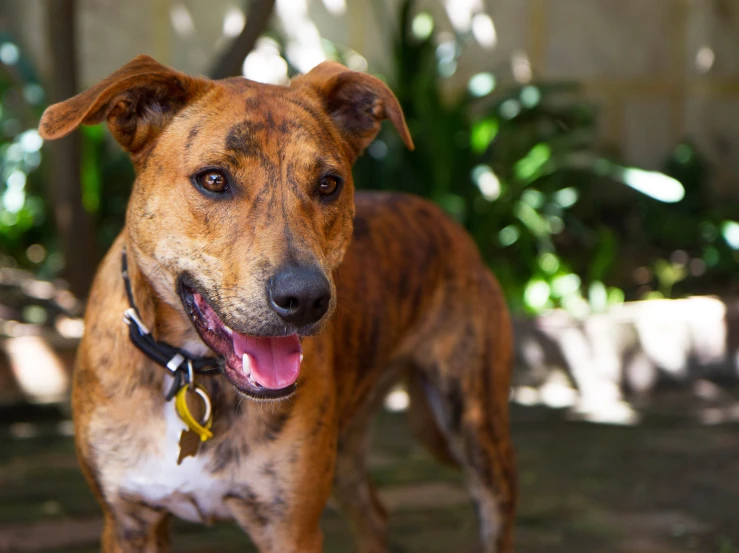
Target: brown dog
242,241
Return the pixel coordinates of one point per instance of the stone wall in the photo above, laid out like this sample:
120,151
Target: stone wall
661,70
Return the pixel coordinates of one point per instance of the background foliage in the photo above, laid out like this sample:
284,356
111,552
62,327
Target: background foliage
561,222
521,169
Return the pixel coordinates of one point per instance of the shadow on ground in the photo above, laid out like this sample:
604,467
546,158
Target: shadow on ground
669,485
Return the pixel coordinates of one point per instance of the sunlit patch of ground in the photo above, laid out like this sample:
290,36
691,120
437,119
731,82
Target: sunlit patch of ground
667,485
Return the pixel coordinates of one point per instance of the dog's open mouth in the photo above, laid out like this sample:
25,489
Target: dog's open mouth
263,367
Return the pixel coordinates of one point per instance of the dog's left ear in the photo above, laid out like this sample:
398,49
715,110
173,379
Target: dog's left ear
357,102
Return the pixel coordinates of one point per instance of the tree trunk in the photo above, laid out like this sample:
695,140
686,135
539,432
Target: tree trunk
230,63
73,223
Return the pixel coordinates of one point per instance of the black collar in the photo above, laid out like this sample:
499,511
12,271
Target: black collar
180,363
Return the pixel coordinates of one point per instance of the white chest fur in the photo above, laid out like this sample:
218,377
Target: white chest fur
189,490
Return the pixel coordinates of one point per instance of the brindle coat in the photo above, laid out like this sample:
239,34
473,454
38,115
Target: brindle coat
411,298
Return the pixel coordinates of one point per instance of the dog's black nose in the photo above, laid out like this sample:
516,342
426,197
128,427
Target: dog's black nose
300,295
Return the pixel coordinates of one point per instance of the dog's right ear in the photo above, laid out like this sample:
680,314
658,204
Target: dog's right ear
137,101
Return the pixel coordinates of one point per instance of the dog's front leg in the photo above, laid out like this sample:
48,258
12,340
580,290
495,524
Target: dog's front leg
288,522
282,511
273,533
132,527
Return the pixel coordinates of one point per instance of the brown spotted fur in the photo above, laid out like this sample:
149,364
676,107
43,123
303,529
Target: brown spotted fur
411,298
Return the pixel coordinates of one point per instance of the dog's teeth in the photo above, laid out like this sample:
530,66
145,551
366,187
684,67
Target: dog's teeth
228,330
301,357
246,364
251,380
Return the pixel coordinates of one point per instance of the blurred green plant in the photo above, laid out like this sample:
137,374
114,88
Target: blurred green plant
27,237
520,168
103,161
22,209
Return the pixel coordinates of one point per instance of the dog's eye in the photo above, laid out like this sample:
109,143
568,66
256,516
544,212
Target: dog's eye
329,186
213,181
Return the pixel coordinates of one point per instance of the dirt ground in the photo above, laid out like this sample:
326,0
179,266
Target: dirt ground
667,485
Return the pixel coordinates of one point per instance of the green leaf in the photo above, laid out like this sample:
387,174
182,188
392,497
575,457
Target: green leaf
483,133
528,168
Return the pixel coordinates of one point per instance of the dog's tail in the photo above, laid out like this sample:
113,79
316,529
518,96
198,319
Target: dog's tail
423,422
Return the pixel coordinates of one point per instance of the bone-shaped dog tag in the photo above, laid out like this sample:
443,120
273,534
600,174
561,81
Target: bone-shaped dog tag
193,408
189,445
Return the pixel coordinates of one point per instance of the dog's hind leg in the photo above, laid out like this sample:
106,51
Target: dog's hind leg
487,459
355,493
464,374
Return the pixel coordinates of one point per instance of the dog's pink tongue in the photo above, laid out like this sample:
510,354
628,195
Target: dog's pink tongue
275,362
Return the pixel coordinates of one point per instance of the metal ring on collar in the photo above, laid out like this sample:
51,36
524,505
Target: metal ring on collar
206,417
191,375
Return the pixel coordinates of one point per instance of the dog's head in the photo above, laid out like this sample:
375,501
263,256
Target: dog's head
243,200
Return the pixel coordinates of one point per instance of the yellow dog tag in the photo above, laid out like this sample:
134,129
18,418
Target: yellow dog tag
200,427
